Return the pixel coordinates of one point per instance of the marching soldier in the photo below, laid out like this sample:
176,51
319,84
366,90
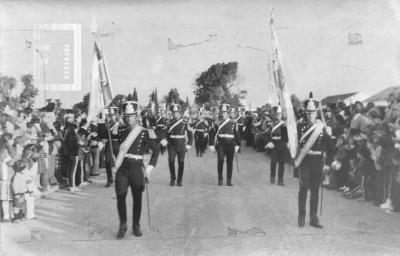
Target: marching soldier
200,127
113,125
314,156
160,125
134,141
177,144
277,137
240,120
225,139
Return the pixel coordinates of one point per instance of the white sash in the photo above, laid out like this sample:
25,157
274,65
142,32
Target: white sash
277,126
174,125
219,129
199,123
308,132
158,119
124,147
318,128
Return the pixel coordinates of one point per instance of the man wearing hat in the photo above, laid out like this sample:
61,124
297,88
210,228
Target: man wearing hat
113,124
134,141
314,155
160,125
200,127
240,120
225,139
277,137
176,143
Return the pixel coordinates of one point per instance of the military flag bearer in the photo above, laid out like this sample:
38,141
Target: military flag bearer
129,167
314,155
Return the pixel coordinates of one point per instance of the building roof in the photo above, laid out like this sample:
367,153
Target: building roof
384,94
336,98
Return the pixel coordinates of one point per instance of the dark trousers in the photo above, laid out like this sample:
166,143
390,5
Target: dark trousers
173,152
227,150
281,170
277,157
310,177
109,170
199,142
130,174
71,167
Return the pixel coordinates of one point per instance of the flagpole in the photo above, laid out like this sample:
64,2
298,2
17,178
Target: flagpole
102,79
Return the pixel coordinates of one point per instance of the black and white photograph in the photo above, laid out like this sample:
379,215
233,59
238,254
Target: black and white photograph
200,127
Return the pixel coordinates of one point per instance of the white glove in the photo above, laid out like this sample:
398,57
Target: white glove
237,149
188,147
244,128
270,145
164,142
205,135
212,148
326,169
114,170
149,168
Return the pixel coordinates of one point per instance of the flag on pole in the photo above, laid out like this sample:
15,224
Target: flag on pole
101,92
283,93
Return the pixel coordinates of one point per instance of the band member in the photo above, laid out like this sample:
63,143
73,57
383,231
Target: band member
314,156
134,141
225,139
277,137
200,127
110,156
176,143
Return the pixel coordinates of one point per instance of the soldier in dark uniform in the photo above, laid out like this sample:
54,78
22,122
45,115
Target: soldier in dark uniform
113,125
176,143
314,156
200,127
134,141
160,125
277,137
240,120
225,139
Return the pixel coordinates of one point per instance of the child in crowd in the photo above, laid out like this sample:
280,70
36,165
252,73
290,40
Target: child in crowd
366,171
23,187
6,173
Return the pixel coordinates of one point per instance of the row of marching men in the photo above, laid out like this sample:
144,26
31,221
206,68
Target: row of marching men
131,140
177,133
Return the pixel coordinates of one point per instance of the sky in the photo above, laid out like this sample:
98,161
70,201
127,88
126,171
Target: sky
313,37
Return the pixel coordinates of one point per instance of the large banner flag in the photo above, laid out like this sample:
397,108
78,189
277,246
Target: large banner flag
101,92
283,93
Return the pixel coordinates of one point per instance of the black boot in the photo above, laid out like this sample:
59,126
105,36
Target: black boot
172,183
121,231
314,222
301,220
220,182
229,183
272,180
136,230
108,184
280,183
181,166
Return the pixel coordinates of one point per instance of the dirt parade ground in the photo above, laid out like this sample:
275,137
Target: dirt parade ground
202,218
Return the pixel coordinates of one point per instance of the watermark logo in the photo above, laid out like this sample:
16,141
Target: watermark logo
57,56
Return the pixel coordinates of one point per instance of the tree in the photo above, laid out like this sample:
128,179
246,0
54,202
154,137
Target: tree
30,91
173,97
213,85
7,84
82,106
118,99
